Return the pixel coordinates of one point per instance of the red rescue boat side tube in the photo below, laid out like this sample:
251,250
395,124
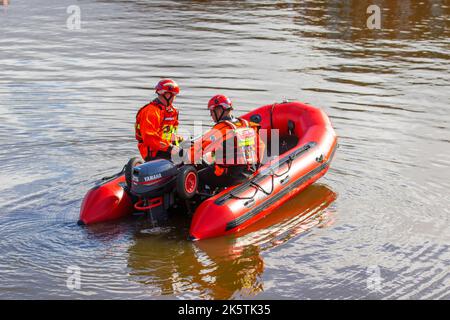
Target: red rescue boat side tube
107,201
311,141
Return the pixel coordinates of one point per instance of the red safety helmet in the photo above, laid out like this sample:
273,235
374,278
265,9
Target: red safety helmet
167,85
220,101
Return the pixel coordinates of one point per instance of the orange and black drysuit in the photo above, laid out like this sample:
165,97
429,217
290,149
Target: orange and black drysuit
155,129
233,146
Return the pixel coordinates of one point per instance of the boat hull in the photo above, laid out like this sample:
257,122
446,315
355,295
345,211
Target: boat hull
105,202
278,180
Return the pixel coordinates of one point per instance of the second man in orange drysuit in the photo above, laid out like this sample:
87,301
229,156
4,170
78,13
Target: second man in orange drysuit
232,147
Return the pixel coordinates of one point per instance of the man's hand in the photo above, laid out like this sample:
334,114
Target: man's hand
179,139
176,139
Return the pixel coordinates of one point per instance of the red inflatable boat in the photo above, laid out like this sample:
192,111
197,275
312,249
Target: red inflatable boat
307,144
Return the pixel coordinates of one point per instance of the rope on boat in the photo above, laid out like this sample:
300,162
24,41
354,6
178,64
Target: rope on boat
259,188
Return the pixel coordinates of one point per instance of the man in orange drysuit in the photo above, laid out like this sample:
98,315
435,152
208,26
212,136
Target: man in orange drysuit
157,123
232,146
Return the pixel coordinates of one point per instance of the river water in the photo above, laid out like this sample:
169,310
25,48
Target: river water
375,227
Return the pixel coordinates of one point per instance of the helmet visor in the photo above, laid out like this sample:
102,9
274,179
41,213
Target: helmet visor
223,105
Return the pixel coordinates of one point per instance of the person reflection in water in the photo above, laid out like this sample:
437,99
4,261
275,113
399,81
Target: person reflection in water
224,267
210,272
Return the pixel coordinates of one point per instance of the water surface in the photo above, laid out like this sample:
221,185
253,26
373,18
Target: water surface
67,104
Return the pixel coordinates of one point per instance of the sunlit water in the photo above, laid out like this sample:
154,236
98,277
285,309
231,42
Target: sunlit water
376,226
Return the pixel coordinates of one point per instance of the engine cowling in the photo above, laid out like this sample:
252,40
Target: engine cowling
153,178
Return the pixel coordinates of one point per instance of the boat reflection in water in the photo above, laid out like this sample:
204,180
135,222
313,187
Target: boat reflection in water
224,267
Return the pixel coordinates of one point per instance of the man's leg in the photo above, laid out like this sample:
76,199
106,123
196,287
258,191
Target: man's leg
232,177
206,176
159,155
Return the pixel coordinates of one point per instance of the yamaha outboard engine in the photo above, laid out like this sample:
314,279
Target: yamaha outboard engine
154,183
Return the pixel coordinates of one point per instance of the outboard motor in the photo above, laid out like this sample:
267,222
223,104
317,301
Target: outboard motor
159,184
153,182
